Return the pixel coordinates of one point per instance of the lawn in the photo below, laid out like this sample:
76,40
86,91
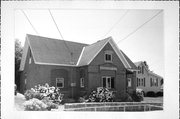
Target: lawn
153,99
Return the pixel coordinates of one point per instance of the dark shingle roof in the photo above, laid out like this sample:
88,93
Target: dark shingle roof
132,65
47,50
54,52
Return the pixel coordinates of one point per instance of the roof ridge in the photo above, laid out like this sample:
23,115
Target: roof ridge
48,38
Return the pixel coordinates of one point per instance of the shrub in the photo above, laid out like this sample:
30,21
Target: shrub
101,94
150,94
29,94
50,104
82,99
35,105
159,94
40,92
137,96
124,97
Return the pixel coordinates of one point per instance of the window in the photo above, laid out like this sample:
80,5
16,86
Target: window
151,82
29,60
60,82
108,82
142,69
137,82
144,82
30,57
82,82
129,82
108,57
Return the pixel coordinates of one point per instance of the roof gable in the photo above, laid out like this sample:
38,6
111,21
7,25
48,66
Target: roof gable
141,63
92,51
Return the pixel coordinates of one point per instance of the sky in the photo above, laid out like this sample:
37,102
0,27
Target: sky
145,43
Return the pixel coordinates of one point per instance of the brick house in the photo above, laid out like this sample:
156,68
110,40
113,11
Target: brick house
148,80
78,69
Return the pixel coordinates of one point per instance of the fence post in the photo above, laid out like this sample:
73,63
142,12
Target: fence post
124,108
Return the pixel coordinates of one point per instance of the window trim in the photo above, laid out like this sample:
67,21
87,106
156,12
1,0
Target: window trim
108,77
82,82
107,53
30,60
62,82
129,79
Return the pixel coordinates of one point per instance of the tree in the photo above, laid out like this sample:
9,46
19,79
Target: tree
18,56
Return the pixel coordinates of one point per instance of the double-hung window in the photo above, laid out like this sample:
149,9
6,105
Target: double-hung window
108,56
60,82
82,82
129,82
108,82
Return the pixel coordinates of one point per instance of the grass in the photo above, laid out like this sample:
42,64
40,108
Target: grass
153,99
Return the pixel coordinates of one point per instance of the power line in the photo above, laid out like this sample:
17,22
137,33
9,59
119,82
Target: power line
60,33
117,22
139,27
29,22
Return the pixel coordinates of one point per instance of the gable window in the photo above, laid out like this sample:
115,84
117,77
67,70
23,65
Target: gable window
30,60
108,82
129,82
82,82
60,82
108,56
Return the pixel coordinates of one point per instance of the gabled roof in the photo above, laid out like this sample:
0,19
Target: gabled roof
149,72
154,74
133,66
91,51
48,51
141,63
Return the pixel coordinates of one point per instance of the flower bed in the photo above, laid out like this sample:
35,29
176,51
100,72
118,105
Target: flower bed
42,98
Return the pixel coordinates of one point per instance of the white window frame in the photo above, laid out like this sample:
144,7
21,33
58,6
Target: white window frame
30,60
129,82
108,84
107,53
82,82
61,81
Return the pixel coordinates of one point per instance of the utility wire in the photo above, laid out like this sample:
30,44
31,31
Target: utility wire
30,22
117,22
139,27
60,33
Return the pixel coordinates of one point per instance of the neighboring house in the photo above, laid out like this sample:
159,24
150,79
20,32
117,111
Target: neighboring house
78,69
147,80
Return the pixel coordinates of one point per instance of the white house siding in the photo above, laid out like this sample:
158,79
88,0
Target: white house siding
147,75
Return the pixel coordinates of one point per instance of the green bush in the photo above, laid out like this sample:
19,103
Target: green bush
35,105
101,94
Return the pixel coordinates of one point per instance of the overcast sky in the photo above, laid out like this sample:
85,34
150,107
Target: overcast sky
89,26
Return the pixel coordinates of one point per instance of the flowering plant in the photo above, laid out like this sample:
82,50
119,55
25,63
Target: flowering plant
40,92
101,94
35,105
